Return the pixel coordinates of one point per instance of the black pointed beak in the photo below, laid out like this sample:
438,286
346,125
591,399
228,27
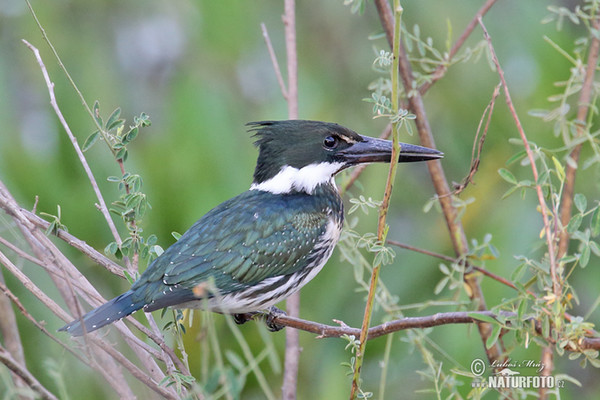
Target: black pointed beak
379,150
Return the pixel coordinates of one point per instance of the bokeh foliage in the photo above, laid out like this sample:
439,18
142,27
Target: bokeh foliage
200,69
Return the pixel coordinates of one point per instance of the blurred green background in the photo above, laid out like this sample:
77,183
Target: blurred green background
201,70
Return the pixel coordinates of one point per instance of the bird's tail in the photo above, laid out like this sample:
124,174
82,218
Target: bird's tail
117,308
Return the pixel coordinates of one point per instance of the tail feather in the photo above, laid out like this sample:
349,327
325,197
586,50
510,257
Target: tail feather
117,308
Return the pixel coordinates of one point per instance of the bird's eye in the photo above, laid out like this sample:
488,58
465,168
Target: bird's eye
330,142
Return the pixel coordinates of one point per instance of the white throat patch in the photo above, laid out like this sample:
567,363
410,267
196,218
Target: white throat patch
305,179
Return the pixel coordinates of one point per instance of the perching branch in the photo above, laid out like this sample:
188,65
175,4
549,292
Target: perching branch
448,318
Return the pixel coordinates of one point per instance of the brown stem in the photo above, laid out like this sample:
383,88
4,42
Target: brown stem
582,115
82,159
457,234
292,339
440,71
556,284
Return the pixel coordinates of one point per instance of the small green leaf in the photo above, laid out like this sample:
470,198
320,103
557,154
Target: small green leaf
595,222
132,134
113,119
96,111
507,176
441,284
493,338
444,269
560,170
89,142
580,202
574,223
111,248
585,256
595,247
516,157
483,318
121,154
176,235
510,191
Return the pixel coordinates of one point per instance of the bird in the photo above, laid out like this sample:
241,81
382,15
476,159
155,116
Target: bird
257,248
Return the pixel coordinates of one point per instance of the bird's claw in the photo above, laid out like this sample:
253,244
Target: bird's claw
273,313
268,316
243,318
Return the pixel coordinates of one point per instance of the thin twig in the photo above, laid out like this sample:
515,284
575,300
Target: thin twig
582,115
78,244
274,60
556,284
51,255
82,159
440,71
478,144
21,371
440,183
292,339
9,331
383,209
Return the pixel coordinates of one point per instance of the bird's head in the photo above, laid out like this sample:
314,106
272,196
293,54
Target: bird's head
300,155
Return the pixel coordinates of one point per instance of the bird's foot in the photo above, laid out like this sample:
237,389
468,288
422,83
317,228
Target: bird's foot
273,313
268,316
243,318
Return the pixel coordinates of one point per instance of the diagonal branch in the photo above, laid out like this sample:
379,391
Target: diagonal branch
556,285
456,230
82,159
440,71
582,115
18,369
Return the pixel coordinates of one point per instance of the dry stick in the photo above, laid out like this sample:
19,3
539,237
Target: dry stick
9,331
55,256
556,285
290,94
50,84
86,167
571,171
122,390
274,60
478,144
18,369
15,300
440,71
457,234
582,115
99,258
292,305
57,310
78,244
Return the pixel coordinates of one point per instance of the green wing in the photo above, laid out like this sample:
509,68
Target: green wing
240,243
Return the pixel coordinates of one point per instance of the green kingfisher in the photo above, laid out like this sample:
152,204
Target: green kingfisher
256,249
